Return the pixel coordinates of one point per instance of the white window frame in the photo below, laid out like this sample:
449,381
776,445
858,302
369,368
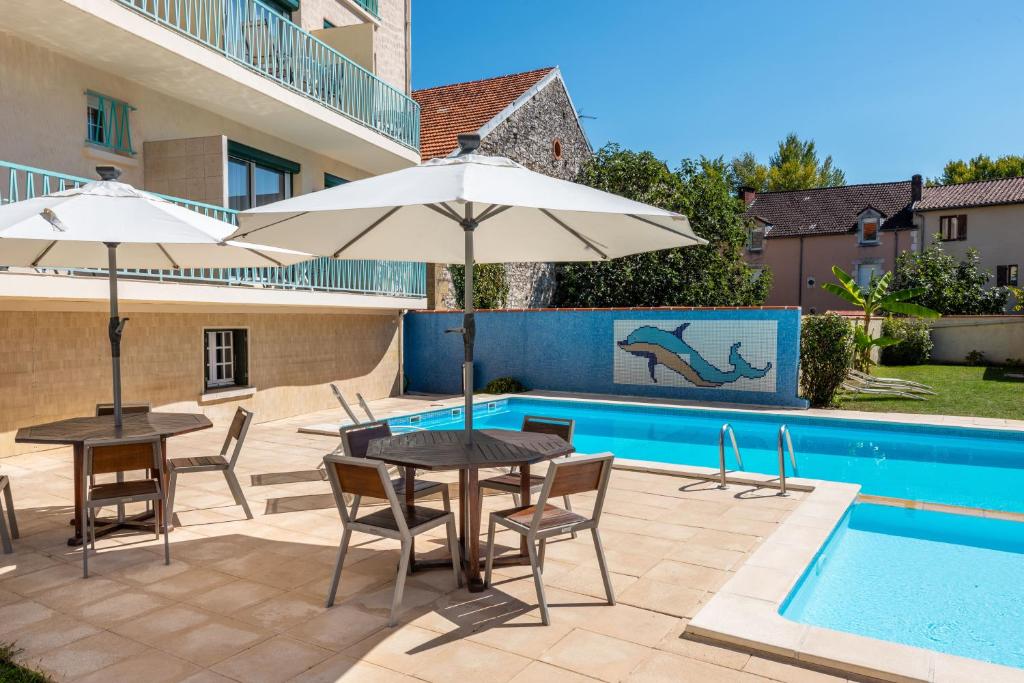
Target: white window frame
220,373
756,229
876,271
877,220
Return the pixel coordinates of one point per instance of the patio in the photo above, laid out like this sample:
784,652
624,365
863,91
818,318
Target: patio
243,599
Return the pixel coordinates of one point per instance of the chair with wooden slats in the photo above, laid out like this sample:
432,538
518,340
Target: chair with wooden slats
126,409
216,463
566,476
110,456
8,526
355,440
510,481
359,477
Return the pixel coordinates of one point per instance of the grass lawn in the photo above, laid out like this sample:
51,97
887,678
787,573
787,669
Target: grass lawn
965,391
12,673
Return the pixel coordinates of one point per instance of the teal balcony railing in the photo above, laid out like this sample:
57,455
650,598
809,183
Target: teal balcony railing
391,278
259,38
370,6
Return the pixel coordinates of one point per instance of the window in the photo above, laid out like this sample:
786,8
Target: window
866,272
328,24
331,180
283,7
256,178
755,239
1006,275
756,272
226,358
953,227
108,124
869,231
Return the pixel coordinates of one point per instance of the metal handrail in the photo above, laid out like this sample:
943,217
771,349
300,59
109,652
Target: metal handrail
726,428
784,432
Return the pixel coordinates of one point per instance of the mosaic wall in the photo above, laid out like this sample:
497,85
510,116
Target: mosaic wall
729,355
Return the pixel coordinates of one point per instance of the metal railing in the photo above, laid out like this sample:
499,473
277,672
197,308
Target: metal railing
392,278
259,38
785,437
726,429
370,6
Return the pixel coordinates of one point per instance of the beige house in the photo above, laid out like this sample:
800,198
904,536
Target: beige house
801,234
220,106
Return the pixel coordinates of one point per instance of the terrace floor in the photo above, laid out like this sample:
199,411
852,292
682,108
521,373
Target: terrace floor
242,600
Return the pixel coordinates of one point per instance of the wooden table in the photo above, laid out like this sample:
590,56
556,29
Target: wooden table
446,450
76,431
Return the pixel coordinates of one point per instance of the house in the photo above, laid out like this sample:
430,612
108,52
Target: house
801,234
220,108
527,117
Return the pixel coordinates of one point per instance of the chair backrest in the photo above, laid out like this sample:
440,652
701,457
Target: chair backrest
361,477
108,408
559,426
576,474
103,456
344,404
355,439
365,406
236,432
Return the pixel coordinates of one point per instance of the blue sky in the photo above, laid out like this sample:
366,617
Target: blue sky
887,88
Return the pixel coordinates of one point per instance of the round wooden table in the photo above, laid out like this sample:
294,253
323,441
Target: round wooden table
446,450
77,430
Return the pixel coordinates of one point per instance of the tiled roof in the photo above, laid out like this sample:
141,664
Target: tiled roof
979,193
832,210
447,110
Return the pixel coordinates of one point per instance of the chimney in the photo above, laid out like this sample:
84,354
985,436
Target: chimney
916,186
468,143
748,195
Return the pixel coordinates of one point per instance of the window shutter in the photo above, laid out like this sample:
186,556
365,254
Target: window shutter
241,348
1001,278
961,226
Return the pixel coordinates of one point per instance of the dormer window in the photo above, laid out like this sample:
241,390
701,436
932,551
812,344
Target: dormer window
867,231
755,238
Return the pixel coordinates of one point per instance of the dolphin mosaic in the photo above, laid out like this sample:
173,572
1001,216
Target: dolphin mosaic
667,348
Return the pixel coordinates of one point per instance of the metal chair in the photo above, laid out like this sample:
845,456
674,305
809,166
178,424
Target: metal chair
345,406
566,476
360,477
215,463
355,440
7,533
107,456
510,482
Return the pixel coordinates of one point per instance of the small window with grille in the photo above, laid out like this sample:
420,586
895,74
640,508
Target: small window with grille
226,358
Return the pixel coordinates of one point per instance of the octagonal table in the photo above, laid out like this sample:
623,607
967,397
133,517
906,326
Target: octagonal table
77,430
446,450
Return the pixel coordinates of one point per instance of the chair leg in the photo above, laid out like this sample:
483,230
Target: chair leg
515,499
542,553
346,536
603,564
83,515
568,506
490,551
172,488
9,502
446,499
5,537
236,491
538,581
163,524
403,569
355,506
453,548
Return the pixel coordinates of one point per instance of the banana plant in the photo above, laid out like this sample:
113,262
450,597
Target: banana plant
875,299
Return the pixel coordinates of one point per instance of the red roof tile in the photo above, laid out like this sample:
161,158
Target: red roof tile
448,110
978,193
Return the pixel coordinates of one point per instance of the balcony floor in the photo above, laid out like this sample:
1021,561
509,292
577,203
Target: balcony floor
243,599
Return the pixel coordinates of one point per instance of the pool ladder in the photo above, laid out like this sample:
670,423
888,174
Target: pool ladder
726,429
787,440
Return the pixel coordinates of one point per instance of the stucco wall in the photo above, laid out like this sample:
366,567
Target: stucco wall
44,114
997,232
998,337
56,364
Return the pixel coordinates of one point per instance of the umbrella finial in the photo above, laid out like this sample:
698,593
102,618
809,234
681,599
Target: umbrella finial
108,172
468,143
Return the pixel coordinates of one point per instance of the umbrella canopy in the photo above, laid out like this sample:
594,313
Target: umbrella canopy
109,224
471,208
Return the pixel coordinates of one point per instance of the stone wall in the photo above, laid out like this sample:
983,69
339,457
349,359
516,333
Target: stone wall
56,364
528,137
190,168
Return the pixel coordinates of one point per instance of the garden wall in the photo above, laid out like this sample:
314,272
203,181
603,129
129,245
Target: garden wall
998,337
748,355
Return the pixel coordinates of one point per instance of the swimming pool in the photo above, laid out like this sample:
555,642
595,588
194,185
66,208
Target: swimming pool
934,580
959,466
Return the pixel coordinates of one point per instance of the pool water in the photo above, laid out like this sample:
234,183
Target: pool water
960,466
951,583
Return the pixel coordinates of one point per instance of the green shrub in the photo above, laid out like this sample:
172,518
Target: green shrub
826,351
490,285
10,672
504,385
975,357
915,347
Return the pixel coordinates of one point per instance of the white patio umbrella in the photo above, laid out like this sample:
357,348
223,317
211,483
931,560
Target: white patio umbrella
109,224
470,208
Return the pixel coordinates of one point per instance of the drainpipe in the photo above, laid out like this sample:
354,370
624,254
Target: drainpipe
800,278
408,47
401,351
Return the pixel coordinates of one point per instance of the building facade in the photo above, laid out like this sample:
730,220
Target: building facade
219,106
528,117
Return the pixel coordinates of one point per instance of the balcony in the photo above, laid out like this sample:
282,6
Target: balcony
400,279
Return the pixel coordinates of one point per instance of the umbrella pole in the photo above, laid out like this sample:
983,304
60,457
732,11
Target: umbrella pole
114,330
468,323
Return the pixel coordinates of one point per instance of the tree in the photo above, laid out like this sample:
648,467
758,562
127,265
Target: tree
490,285
875,299
708,275
794,166
981,167
948,286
